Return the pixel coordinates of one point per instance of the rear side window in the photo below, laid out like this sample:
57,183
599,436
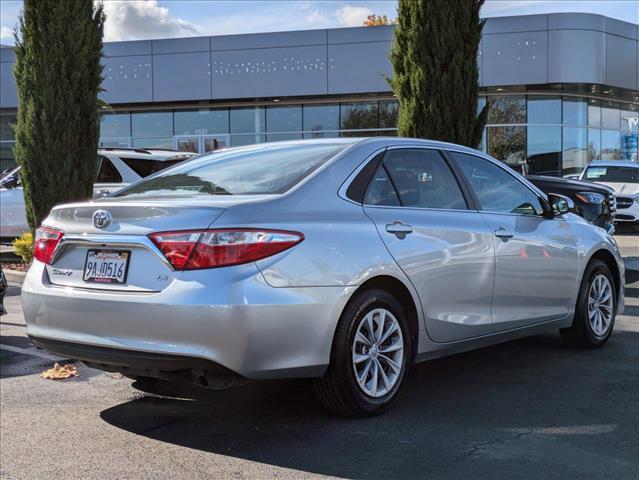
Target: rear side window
107,173
144,167
262,169
496,189
417,178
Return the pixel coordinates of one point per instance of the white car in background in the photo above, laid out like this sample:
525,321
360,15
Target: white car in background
623,177
118,167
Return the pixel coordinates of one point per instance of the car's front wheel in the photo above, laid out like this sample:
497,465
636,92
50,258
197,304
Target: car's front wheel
370,358
595,309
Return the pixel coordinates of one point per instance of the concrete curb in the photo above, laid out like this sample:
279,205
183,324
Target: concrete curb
14,276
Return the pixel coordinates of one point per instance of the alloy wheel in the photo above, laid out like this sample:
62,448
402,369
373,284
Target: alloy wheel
600,305
378,352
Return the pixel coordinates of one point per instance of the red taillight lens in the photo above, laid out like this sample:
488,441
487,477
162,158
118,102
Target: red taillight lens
46,240
197,249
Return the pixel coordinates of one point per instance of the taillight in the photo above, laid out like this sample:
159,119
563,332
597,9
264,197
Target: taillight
196,249
46,239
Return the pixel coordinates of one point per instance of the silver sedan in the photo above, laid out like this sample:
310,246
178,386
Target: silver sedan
346,260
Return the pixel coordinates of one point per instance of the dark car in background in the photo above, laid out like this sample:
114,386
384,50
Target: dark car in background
595,202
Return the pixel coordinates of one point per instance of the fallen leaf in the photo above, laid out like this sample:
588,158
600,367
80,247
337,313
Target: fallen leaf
59,372
116,375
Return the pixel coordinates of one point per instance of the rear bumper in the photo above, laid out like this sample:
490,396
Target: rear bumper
232,319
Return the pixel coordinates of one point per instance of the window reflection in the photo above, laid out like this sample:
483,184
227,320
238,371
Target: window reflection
284,119
152,124
508,144
544,150
359,115
320,117
610,145
511,109
594,113
115,125
6,131
165,143
575,111
248,120
574,150
201,122
610,117
594,144
544,110
388,114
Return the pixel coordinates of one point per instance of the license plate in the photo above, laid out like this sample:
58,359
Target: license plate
106,266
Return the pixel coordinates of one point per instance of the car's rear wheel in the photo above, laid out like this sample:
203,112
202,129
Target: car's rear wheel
595,310
371,356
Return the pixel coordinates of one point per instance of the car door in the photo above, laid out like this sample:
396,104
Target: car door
444,248
536,256
108,180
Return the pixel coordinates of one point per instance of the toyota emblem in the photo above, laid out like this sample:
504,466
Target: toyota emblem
101,219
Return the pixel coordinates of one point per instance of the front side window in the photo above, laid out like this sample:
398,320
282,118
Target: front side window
415,178
107,173
251,171
496,189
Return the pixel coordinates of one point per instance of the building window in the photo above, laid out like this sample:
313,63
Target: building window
284,119
508,144
388,114
575,111
544,110
6,130
610,145
152,124
154,142
115,125
201,122
319,118
248,120
510,109
574,150
239,140
610,117
594,144
629,121
544,150
359,115
594,113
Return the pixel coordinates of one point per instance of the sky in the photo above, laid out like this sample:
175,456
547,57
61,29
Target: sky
145,19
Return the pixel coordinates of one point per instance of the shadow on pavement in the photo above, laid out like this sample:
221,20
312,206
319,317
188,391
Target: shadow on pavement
525,408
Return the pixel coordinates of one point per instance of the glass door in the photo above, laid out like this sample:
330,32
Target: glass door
214,142
187,144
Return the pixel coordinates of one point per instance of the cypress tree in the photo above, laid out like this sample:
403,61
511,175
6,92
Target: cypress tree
58,74
434,59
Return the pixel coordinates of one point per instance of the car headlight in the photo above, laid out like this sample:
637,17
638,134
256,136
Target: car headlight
590,197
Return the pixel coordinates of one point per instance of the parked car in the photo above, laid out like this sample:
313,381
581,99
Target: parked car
595,202
118,167
623,177
342,259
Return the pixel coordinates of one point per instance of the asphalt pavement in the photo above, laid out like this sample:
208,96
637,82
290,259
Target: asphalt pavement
525,409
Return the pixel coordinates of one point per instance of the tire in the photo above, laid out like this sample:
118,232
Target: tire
339,389
582,333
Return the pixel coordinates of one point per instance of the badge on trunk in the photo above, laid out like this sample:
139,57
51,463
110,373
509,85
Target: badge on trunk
101,218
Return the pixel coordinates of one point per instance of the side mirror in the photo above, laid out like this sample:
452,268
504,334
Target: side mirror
560,204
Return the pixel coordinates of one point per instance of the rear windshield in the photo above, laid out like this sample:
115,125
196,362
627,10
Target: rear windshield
613,174
248,171
144,167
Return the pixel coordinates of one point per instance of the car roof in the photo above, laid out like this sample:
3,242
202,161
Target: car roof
155,154
613,163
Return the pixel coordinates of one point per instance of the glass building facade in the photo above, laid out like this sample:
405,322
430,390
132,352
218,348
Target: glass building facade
534,134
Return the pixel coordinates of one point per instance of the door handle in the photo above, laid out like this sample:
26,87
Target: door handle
399,228
102,193
502,233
